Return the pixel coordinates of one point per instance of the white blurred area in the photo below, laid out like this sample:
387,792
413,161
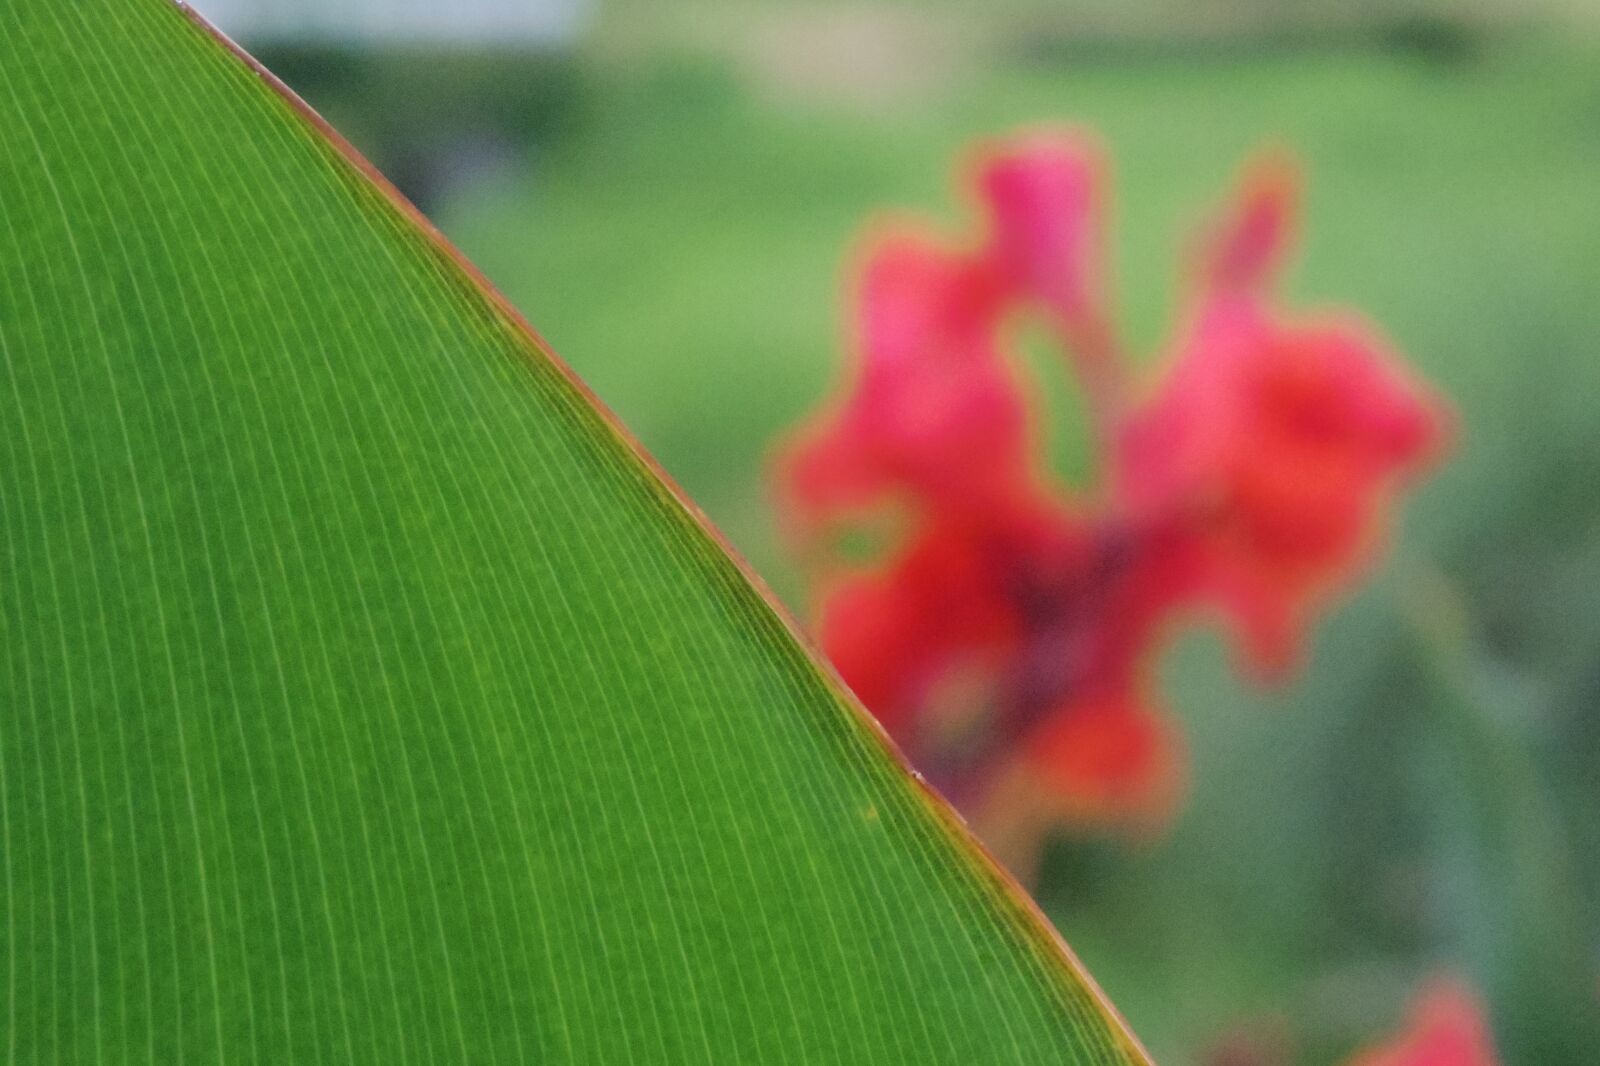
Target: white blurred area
510,23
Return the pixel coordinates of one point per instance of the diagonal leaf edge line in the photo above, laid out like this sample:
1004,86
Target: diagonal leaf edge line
1004,889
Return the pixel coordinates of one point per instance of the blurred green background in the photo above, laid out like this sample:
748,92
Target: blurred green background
671,193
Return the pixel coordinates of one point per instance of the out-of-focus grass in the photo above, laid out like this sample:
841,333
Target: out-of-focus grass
684,247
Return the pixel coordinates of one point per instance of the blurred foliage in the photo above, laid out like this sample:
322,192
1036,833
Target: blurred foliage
429,118
675,213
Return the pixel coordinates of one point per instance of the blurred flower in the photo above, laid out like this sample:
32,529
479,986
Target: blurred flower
1446,1027
1251,476
1269,445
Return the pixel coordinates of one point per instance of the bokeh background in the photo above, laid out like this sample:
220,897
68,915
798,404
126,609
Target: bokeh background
671,191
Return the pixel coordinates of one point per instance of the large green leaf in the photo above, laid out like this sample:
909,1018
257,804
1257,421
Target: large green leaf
364,695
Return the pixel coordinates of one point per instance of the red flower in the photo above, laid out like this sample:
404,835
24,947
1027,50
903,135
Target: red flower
1041,194
1266,457
1446,1027
1246,249
933,411
1253,478
1108,757
941,604
1271,446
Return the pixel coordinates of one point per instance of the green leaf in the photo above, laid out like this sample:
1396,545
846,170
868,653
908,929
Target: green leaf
364,693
